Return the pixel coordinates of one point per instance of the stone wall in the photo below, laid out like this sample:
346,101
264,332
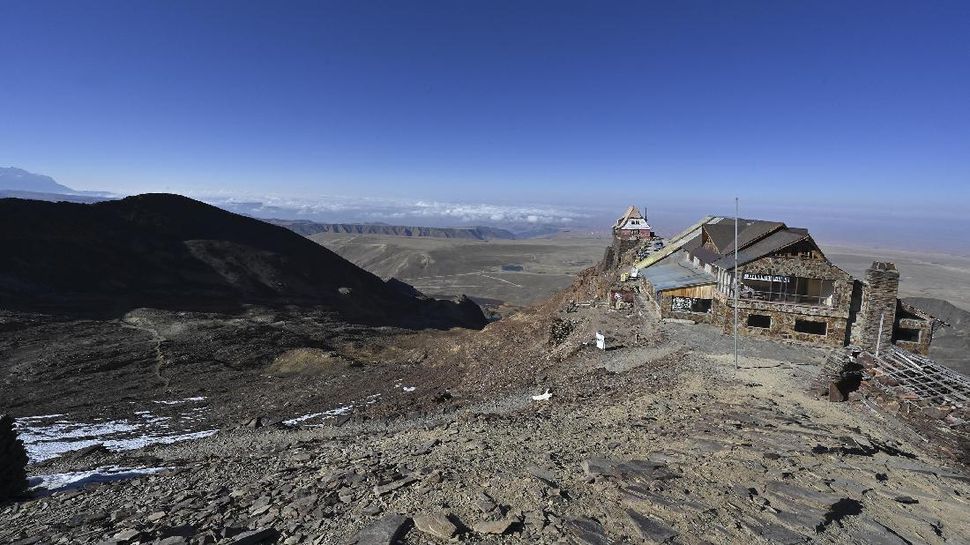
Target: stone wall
879,290
613,257
912,318
925,328
13,462
808,268
783,317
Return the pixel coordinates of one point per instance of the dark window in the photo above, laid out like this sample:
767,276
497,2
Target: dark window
907,334
759,320
701,305
809,326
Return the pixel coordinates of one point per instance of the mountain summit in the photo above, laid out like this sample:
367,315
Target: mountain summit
21,180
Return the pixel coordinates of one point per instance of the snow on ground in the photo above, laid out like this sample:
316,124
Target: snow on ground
48,436
339,411
181,401
47,484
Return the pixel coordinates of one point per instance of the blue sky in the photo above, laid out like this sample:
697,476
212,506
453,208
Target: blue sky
794,106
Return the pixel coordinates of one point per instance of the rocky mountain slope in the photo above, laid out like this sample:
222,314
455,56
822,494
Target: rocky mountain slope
307,228
168,251
658,441
521,432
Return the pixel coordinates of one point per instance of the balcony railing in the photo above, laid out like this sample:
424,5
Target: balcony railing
791,298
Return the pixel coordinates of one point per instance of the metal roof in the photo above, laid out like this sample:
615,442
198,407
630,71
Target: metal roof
755,231
705,255
676,273
677,241
772,243
631,212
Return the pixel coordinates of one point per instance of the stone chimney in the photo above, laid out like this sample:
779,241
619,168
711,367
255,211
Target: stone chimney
879,290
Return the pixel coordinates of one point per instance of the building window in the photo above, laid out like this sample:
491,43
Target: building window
907,334
787,289
759,320
690,304
811,327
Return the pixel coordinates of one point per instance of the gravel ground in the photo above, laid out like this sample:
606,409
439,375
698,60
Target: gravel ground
661,441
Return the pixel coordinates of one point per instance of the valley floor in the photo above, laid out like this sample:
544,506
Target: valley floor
659,442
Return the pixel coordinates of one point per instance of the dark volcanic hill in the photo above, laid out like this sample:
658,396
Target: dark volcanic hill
307,228
173,252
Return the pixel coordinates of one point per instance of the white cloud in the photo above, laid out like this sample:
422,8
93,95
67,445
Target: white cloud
356,209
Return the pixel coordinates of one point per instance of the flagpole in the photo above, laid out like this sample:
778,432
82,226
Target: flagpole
737,208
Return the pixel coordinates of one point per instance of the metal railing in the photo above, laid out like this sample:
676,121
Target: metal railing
791,298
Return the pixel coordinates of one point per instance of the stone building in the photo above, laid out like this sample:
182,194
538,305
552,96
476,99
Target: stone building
632,226
914,328
788,289
630,231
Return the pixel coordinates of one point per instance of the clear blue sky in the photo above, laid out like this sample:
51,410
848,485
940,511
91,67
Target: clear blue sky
491,101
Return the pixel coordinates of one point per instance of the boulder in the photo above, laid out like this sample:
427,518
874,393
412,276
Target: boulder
651,530
384,531
13,462
255,537
436,524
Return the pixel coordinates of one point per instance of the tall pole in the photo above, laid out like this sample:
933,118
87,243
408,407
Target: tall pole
737,209
882,318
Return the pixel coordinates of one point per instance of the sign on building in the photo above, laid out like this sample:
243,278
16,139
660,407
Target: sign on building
766,277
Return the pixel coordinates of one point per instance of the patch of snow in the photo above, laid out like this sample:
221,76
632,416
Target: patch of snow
542,397
297,420
46,438
408,388
48,484
71,430
40,417
339,411
181,401
133,443
150,418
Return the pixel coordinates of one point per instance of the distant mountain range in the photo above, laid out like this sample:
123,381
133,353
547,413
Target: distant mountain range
21,184
169,251
308,228
20,179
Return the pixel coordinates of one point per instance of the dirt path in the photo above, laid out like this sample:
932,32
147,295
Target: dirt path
143,324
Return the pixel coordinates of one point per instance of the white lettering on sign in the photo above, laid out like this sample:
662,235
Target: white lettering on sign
766,278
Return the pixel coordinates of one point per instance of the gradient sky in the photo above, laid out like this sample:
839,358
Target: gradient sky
815,105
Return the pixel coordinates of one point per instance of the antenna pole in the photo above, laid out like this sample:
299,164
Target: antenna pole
737,209
882,318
